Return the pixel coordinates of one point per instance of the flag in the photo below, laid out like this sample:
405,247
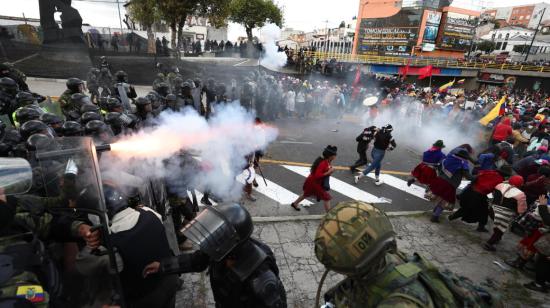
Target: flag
424,72
356,82
446,86
461,81
498,110
405,70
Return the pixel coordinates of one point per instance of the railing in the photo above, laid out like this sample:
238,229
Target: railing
423,62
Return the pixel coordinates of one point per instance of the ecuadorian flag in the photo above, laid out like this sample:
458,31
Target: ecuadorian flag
32,293
446,86
497,111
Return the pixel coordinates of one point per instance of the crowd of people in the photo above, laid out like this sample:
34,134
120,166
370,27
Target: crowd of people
55,218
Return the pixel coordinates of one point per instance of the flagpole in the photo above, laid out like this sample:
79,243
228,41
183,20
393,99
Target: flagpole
430,81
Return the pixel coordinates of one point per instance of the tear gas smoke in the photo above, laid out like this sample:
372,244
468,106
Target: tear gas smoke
189,152
417,126
272,58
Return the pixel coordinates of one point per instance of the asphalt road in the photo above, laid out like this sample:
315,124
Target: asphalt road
300,141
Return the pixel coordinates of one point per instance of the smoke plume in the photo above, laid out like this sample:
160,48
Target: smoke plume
189,152
272,59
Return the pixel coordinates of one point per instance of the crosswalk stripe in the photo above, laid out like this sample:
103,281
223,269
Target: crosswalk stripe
274,191
341,187
199,197
400,184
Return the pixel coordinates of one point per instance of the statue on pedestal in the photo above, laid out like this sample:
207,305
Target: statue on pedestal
71,22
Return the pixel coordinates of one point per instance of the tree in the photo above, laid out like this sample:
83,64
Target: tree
146,13
255,13
342,24
486,46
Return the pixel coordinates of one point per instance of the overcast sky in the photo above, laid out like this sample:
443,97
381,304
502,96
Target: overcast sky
299,14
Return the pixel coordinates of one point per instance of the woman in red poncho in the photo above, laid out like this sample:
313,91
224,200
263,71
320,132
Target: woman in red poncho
316,183
425,172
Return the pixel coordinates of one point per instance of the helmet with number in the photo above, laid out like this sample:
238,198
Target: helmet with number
89,108
89,116
25,98
26,114
121,76
218,230
74,84
72,128
352,237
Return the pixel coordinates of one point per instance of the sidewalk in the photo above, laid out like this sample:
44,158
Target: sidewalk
452,245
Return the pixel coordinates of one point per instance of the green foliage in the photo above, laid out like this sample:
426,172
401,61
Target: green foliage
486,46
255,13
144,12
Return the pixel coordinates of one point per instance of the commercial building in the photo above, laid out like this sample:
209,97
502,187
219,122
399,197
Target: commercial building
432,28
507,38
522,15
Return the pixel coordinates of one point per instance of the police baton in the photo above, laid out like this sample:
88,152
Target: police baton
261,173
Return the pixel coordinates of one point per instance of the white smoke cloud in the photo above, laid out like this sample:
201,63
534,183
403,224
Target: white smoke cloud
272,59
190,152
418,132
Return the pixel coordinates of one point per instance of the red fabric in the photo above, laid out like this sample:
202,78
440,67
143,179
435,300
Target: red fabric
355,84
405,70
443,189
516,181
313,186
503,130
417,70
424,174
424,72
527,243
486,181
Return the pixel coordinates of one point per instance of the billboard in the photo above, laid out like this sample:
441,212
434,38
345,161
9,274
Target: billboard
392,36
433,19
458,31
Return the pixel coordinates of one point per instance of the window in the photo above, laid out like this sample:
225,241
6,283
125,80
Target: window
504,45
521,17
497,47
499,36
507,36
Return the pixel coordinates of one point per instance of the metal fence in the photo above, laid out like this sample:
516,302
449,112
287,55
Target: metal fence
448,63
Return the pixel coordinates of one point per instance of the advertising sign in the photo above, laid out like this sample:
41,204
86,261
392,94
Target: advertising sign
458,31
392,36
432,26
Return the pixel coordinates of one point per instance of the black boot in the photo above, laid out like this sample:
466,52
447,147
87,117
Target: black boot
206,201
410,182
455,215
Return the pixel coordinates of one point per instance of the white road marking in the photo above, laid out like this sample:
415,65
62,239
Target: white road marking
341,187
274,191
400,184
199,197
238,64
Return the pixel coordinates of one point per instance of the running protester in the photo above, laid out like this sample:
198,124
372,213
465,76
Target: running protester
383,141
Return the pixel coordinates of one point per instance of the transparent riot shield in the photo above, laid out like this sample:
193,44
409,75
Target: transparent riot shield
70,174
15,175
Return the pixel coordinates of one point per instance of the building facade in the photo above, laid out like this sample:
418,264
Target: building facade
523,15
427,28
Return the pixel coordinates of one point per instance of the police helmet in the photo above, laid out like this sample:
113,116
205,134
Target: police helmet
24,98
80,99
72,128
9,85
12,137
218,230
112,118
89,108
113,103
186,85
95,127
142,101
352,237
152,96
121,76
171,98
89,116
26,114
74,84
388,128
51,119
33,127
38,141
197,82
115,201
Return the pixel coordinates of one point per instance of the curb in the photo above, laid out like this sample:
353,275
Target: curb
319,217
46,79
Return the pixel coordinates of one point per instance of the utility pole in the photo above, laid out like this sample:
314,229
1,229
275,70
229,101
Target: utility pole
478,22
119,17
535,35
326,36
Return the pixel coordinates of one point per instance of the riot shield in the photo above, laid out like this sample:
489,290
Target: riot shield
15,175
70,173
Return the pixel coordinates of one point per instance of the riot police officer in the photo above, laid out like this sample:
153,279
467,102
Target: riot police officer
356,239
186,96
144,108
72,128
243,271
8,91
99,131
89,116
172,103
92,83
72,109
53,121
74,85
124,91
26,114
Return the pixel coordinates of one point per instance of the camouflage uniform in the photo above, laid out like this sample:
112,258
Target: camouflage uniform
65,99
356,239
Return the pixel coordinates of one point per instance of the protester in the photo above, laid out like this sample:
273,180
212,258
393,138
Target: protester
383,141
317,183
425,172
363,141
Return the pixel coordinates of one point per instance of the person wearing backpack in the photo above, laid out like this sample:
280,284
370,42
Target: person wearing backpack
356,239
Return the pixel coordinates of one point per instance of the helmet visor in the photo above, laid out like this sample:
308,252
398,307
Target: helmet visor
215,236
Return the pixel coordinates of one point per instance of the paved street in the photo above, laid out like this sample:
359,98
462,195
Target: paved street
451,245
